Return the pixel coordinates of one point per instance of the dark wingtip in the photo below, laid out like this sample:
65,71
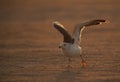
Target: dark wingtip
100,21
103,20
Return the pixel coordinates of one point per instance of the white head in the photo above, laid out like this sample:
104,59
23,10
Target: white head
64,45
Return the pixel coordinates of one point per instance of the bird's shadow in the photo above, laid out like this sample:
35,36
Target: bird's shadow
67,75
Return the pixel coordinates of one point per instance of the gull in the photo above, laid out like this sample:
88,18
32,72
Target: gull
70,45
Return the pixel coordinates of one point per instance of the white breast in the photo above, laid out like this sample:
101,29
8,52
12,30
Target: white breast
73,50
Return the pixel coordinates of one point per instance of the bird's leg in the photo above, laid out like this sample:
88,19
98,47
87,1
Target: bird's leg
69,60
83,63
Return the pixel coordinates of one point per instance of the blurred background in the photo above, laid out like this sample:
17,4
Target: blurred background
29,44
43,10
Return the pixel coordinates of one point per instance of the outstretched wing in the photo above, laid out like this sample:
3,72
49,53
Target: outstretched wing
63,31
79,28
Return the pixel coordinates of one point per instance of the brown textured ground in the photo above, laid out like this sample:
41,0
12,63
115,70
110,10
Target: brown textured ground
29,44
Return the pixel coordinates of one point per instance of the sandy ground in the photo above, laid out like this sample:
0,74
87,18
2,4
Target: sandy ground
29,44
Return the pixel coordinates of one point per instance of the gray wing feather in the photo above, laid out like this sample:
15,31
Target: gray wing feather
79,28
63,31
